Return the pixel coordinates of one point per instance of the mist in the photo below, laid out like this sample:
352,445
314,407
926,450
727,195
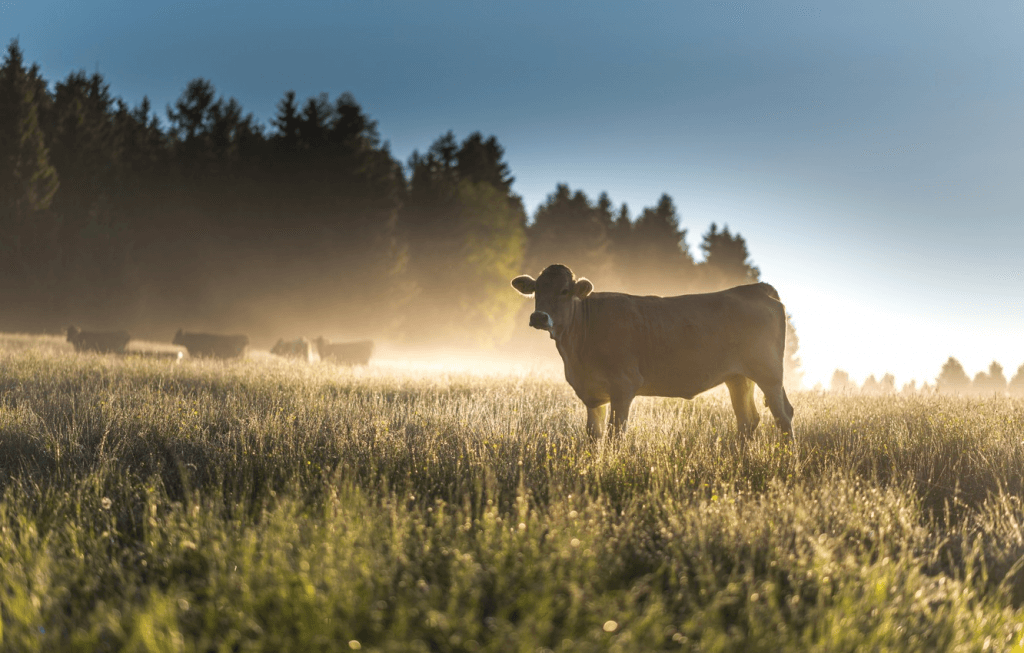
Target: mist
305,227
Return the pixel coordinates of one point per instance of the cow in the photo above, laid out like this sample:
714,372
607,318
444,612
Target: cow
173,356
209,345
346,353
104,342
300,348
616,346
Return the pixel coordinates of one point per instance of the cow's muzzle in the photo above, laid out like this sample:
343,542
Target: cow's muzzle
541,320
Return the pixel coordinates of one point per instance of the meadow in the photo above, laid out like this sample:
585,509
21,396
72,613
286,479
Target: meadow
262,505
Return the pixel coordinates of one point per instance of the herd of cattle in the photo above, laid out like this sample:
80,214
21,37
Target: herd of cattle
212,345
615,346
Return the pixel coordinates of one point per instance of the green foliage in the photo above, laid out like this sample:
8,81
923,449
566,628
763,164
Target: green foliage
493,254
256,505
466,235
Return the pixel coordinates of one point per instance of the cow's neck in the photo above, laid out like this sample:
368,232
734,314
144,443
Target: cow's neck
571,339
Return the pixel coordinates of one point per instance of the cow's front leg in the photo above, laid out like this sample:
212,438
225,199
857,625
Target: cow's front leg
596,420
620,413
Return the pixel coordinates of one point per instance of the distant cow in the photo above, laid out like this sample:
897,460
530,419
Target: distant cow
617,346
173,356
105,342
346,353
209,345
300,348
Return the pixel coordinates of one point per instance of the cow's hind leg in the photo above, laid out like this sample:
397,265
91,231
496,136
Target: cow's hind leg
741,390
777,402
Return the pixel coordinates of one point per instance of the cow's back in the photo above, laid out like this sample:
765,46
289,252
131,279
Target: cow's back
683,345
209,345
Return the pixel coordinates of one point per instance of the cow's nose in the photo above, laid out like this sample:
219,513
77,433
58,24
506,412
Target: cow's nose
540,320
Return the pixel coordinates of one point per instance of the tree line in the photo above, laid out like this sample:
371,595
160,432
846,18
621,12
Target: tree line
112,216
952,379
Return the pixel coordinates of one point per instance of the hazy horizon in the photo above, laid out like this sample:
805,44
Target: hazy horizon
871,156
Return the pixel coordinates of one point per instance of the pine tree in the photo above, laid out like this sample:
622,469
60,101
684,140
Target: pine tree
659,260
726,260
482,161
28,181
29,245
571,230
287,122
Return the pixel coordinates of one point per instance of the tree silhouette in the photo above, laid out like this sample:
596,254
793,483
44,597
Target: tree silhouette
952,378
658,260
287,122
841,382
207,218
871,386
887,384
466,235
28,183
991,382
569,229
482,161
1016,385
726,260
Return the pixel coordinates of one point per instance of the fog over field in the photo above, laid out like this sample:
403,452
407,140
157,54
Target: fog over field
865,157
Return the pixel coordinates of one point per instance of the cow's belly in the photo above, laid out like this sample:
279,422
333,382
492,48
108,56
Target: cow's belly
684,390
686,380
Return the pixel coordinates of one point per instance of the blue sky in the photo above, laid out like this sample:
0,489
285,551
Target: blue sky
871,153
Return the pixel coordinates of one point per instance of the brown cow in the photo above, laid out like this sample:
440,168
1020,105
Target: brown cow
345,353
211,345
300,348
104,342
617,346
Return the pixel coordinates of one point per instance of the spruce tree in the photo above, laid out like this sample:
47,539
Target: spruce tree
29,256
726,260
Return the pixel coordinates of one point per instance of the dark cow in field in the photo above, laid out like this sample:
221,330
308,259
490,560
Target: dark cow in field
346,353
300,348
617,346
104,342
210,345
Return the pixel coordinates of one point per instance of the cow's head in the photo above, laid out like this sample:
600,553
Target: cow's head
556,289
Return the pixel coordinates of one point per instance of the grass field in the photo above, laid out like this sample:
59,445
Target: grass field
261,505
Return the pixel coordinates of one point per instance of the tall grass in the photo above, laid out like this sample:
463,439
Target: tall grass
262,505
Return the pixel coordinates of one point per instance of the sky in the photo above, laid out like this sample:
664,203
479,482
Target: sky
870,153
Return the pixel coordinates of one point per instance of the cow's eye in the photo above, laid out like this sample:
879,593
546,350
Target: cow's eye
565,292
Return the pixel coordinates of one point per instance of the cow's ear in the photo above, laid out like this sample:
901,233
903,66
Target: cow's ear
526,285
583,287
